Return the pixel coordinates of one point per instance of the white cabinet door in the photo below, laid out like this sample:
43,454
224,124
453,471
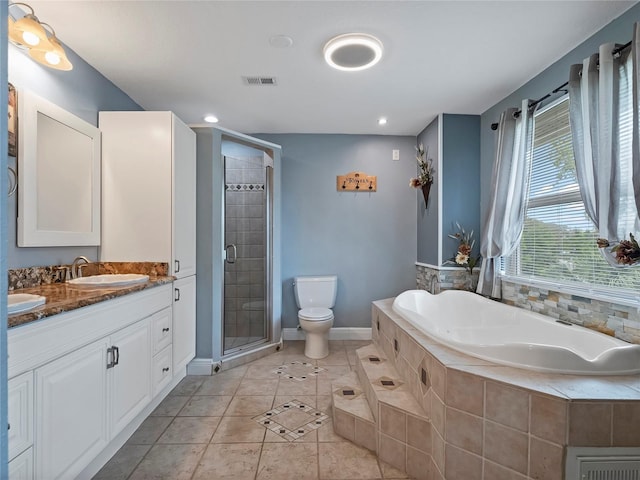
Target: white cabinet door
136,186
20,406
184,200
21,467
71,412
184,322
131,375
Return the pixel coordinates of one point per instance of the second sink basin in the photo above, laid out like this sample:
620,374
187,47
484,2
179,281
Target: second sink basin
21,302
109,280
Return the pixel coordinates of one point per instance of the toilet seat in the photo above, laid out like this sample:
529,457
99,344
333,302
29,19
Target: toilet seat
315,314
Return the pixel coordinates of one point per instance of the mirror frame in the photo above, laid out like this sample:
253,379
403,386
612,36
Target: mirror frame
29,107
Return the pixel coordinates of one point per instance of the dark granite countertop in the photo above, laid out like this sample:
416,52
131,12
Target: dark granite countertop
63,297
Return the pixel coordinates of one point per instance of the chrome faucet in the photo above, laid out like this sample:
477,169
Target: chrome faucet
76,266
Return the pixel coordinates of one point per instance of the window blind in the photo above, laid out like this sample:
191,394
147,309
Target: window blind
558,241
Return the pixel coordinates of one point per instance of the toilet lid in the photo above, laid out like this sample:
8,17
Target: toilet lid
315,313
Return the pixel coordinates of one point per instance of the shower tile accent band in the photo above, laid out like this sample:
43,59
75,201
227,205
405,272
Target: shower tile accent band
244,186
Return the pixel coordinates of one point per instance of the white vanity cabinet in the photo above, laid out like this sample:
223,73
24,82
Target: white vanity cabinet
184,325
148,190
149,209
83,380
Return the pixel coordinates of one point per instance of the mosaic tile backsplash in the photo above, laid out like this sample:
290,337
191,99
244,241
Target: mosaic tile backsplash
46,275
617,320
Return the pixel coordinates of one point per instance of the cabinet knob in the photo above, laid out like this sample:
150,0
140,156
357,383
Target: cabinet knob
165,369
165,329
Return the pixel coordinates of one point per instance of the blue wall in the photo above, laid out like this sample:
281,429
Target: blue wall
367,239
461,180
427,216
82,91
620,30
454,145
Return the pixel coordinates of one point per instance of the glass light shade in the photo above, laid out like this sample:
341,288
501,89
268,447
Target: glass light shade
27,31
353,52
51,55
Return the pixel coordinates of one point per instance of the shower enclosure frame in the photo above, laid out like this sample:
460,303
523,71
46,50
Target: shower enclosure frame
267,166
210,251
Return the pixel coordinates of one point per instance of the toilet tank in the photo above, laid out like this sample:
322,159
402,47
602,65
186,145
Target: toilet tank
318,291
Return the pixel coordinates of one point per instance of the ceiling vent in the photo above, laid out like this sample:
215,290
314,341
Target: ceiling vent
259,81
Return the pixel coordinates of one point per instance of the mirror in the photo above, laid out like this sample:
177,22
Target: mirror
58,176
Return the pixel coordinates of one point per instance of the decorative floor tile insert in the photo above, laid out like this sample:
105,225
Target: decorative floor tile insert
298,371
348,393
292,420
375,359
388,383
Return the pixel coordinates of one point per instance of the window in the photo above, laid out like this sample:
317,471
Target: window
558,241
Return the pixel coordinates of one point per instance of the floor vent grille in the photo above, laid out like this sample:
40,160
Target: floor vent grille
610,470
603,463
259,81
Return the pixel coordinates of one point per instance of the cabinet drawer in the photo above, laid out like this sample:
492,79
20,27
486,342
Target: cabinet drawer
20,405
162,367
162,327
21,467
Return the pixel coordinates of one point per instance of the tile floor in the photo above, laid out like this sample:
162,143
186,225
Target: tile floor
256,421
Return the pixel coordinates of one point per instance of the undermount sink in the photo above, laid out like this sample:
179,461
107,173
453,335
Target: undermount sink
109,280
21,302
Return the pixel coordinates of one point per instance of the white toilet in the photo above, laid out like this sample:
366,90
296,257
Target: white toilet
315,297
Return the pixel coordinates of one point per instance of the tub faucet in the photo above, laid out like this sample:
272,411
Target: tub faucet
76,266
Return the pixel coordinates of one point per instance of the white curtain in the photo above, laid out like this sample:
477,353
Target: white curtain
601,114
635,60
502,226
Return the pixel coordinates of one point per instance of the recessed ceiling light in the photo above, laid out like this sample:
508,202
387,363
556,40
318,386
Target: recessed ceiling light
353,51
382,121
211,119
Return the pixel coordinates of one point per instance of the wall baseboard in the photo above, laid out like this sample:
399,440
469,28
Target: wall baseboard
200,366
338,333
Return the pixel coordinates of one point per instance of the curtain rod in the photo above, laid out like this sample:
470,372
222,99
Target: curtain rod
615,52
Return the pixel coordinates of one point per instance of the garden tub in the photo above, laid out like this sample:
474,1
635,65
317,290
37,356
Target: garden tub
512,336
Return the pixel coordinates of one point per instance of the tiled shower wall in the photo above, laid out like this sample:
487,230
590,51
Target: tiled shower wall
244,292
617,320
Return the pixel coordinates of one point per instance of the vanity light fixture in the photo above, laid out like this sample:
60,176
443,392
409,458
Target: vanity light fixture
211,119
352,52
43,45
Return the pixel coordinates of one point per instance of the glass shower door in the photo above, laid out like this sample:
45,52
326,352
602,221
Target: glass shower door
246,211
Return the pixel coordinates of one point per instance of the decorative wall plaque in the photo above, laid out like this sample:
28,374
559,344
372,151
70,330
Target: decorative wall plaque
356,182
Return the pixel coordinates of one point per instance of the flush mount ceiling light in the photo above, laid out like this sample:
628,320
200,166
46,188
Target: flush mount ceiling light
211,119
43,46
352,52
382,121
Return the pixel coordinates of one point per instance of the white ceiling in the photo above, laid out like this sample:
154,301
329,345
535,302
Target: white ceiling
440,56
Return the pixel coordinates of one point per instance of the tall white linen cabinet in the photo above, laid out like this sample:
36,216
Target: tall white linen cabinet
149,206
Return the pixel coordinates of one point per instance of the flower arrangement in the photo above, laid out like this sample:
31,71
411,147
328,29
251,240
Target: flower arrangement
464,256
627,251
425,177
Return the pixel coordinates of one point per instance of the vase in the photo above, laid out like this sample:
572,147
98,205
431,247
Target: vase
425,193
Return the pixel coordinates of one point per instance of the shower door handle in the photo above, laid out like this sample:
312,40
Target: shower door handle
231,259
